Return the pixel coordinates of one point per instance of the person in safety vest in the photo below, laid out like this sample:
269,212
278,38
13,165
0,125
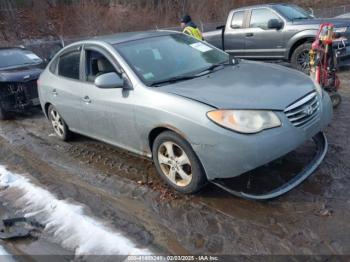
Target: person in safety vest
190,28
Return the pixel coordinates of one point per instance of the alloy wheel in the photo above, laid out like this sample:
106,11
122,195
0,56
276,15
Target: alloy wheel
303,61
57,123
175,164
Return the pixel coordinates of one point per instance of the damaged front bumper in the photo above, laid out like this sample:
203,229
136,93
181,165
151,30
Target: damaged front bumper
17,96
322,148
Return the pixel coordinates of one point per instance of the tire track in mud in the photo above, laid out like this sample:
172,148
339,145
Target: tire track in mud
195,223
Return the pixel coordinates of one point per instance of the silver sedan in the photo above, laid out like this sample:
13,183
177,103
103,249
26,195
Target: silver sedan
200,115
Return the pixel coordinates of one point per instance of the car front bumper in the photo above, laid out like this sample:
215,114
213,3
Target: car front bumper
230,154
17,96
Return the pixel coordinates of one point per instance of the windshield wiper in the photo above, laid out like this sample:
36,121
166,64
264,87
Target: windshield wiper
188,77
173,80
211,68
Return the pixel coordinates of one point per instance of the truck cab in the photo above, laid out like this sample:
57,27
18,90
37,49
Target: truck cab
274,32
255,33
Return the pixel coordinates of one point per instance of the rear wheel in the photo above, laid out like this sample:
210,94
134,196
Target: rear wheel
177,163
58,124
300,58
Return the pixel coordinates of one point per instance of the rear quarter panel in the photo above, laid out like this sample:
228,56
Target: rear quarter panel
214,38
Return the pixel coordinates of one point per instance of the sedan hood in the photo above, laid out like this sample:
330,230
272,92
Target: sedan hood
20,74
248,85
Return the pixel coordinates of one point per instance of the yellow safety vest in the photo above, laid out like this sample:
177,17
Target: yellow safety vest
194,32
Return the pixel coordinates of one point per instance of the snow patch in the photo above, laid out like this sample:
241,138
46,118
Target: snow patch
5,256
67,222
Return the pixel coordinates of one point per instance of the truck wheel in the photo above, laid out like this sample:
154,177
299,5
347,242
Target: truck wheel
4,115
177,163
300,58
58,124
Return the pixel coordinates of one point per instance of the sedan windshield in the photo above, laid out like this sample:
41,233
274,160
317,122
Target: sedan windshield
170,58
17,57
292,12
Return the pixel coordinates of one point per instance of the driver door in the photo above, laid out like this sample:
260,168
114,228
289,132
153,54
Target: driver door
109,113
260,41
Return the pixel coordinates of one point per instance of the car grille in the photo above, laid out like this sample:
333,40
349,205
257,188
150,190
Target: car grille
28,89
17,95
304,110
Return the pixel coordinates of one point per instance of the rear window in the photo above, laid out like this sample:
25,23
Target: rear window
69,65
237,20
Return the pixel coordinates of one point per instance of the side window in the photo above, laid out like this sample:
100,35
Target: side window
96,65
261,17
53,66
68,65
237,20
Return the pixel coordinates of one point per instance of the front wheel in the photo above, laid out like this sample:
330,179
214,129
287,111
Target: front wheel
177,163
300,59
58,124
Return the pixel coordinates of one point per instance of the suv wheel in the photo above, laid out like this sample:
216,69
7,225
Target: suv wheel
58,124
300,58
177,163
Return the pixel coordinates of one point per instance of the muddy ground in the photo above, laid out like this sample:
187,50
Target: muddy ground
124,191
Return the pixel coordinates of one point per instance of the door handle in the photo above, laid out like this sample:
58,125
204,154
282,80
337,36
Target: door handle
249,34
87,100
54,92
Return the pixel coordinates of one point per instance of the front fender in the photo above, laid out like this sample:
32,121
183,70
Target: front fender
298,37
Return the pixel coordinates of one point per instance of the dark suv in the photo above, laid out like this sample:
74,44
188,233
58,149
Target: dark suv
276,31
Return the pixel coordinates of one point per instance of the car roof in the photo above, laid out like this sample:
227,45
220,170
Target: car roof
131,36
262,5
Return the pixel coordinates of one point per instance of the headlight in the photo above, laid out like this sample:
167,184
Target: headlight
245,121
340,29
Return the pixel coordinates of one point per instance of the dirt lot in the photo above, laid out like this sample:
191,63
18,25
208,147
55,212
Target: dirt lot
124,191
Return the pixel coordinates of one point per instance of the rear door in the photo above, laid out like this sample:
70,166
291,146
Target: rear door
66,88
260,41
235,33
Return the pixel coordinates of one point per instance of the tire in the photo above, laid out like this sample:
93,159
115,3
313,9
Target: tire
336,99
300,58
181,163
58,124
4,115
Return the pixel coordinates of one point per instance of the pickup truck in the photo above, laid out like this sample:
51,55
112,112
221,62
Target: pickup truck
276,32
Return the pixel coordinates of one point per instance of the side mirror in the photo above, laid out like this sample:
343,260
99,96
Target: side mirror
109,80
275,24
